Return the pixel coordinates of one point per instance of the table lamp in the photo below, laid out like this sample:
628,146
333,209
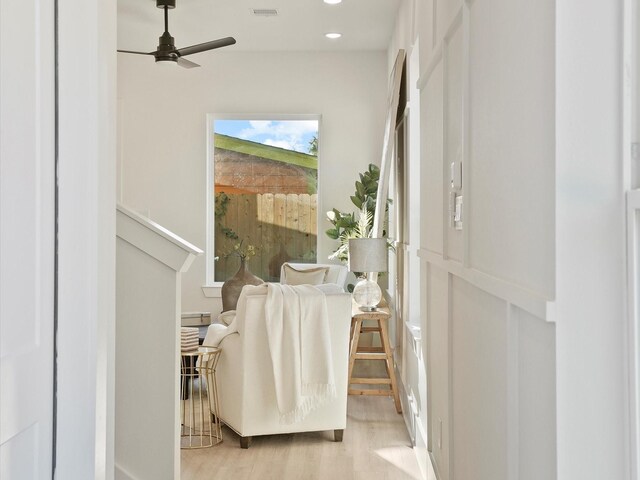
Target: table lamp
367,255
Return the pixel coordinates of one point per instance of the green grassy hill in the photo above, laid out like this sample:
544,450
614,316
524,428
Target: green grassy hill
265,151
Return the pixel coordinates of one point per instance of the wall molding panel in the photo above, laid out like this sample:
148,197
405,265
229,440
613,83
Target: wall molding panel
425,76
489,336
508,291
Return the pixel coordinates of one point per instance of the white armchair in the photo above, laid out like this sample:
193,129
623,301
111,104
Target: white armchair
247,398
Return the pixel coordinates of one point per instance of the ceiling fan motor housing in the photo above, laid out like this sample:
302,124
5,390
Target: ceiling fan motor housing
166,3
166,48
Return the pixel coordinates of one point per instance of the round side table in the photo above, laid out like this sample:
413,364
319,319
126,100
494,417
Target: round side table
200,425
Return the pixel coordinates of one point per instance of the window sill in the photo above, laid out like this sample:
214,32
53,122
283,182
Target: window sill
212,291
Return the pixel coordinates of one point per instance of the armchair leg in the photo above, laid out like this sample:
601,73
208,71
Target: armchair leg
337,435
245,442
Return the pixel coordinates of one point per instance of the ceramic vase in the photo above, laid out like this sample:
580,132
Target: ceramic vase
232,287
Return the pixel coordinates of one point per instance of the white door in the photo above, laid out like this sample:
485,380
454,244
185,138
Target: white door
27,179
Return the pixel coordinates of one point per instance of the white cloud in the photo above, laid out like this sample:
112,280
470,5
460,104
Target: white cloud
279,143
284,134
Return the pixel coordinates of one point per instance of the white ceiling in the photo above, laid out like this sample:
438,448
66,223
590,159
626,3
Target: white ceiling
299,26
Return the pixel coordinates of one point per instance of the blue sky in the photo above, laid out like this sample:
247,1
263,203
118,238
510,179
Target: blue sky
289,134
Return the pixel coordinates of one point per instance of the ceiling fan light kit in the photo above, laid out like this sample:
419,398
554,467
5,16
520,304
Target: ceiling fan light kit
167,54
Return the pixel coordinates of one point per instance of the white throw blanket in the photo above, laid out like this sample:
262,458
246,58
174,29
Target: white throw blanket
299,341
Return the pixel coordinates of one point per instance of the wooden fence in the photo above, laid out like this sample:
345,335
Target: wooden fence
282,226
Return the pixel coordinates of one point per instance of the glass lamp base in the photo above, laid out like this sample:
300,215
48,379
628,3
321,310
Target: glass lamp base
367,295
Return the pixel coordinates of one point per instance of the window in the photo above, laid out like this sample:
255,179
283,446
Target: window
262,194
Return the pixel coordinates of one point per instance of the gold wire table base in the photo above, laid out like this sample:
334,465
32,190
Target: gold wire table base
200,425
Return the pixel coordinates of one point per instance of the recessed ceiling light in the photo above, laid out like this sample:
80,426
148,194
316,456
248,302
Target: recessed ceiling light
333,35
332,2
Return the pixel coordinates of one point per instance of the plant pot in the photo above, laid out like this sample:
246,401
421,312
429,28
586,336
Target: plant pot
232,287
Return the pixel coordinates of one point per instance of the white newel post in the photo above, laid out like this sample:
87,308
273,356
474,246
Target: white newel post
149,262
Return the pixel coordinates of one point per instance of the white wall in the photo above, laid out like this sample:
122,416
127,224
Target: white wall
591,326
162,134
487,102
406,326
543,237
86,232
147,439
149,264
27,238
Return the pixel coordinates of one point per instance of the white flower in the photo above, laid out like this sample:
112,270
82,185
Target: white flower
331,215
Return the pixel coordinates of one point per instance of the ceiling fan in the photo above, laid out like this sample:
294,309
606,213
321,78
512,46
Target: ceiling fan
167,51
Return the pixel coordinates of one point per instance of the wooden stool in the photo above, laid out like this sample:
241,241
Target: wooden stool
357,352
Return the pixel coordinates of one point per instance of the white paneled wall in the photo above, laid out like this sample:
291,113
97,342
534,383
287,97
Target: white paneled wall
437,353
453,66
431,140
511,173
479,366
487,106
533,367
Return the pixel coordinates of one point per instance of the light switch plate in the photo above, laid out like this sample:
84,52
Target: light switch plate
457,213
455,174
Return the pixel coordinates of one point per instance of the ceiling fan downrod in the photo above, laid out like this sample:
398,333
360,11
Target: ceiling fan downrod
166,45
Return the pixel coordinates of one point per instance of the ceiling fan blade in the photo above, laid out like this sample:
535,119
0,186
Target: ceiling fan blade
137,53
203,47
183,62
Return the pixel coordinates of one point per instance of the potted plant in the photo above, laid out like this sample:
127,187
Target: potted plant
352,225
232,287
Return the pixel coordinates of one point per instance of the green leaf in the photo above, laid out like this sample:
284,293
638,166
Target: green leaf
332,233
370,204
347,224
356,201
343,222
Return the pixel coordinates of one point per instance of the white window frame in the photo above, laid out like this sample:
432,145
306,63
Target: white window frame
211,288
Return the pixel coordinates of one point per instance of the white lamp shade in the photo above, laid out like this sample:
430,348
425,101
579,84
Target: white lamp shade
368,255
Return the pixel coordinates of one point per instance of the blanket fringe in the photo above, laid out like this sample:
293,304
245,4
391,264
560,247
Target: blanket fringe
314,395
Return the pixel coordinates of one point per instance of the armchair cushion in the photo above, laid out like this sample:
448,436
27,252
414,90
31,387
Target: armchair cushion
227,317
336,273
307,276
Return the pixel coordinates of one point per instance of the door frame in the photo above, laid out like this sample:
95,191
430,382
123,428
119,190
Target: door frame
85,334
631,183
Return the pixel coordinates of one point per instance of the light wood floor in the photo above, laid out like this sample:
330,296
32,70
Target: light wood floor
376,445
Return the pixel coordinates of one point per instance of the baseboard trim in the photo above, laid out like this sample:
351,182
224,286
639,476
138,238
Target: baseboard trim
407,411
420,450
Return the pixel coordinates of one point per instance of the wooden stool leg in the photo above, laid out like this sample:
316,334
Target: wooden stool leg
384,337
354,345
